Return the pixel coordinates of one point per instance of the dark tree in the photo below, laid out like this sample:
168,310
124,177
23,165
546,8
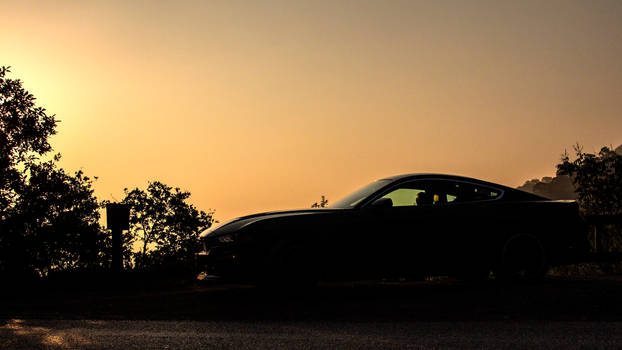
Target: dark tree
24,132
55,220
165,226
597,179
48,218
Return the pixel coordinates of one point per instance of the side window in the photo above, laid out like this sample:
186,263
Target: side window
460,192
403,197
416,193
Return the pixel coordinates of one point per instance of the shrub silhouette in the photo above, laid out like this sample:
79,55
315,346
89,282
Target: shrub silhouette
323,203
598,182
597,179
165,227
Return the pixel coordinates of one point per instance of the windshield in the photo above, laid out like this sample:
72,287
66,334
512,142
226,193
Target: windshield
355,198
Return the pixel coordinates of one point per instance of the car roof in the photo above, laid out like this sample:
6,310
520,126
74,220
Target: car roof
414,176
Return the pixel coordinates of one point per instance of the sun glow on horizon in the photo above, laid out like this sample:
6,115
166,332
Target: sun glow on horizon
263,106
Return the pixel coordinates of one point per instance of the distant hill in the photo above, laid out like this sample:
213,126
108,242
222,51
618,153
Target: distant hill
558,187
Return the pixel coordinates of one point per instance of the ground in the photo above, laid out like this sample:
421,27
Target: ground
444,313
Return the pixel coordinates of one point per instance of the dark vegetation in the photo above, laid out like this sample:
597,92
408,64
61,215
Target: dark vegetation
165,226
50,218
595,181
323,203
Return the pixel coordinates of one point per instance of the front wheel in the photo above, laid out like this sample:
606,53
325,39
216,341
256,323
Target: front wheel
291,268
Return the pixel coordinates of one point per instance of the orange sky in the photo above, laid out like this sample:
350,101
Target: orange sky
262,105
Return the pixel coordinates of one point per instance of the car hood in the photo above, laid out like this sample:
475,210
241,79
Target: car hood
243,221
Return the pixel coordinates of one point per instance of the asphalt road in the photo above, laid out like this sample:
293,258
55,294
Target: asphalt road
98,334
444,314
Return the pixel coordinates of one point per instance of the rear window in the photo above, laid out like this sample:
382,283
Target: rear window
459,192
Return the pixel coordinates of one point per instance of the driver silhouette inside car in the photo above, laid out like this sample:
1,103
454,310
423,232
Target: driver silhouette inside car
424,198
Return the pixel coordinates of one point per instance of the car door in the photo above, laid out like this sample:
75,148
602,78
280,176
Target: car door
348,247
406,239
468,221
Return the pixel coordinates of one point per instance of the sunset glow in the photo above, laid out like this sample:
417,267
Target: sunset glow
256,106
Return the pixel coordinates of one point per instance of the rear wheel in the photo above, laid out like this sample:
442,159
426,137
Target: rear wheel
523,260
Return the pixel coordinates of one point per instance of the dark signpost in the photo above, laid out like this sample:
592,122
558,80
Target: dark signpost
117,220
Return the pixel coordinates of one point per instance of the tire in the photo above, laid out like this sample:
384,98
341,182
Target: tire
523,260
291,268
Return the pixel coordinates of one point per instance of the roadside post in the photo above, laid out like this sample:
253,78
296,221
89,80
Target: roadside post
598,222
601,252
117,220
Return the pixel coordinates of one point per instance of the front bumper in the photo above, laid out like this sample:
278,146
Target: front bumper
226,264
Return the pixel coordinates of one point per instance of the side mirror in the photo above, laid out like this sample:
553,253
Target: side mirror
382,203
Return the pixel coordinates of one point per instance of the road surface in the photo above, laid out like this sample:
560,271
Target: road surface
443,314
99,334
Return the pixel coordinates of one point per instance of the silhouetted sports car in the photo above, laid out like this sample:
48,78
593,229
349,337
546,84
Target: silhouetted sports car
404,226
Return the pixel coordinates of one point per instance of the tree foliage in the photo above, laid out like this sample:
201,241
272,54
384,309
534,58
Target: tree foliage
323,203
48,218
597,179
54,223
24,132
165,226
